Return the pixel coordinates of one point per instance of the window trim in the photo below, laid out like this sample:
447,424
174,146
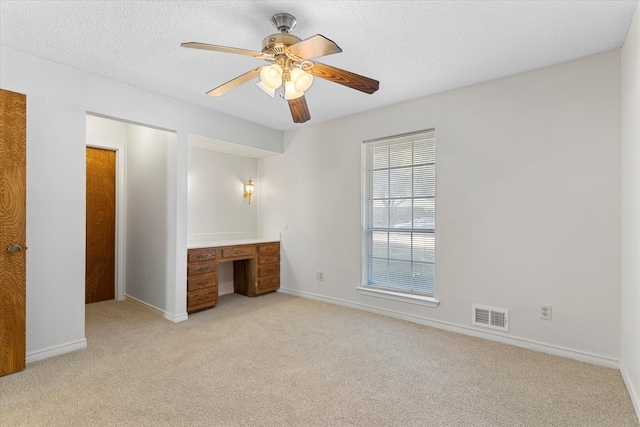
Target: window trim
380,292
399,296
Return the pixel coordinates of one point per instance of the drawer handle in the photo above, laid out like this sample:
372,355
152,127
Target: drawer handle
202,283
203,268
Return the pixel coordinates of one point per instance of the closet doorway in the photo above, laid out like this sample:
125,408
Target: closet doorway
145,209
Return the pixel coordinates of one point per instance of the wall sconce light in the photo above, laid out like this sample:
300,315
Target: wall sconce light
248,190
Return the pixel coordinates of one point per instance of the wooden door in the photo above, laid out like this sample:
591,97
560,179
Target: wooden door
101,225
13,144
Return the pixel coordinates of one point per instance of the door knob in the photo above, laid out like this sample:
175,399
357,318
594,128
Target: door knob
14,249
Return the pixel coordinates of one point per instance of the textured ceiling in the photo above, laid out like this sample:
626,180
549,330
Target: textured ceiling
413,48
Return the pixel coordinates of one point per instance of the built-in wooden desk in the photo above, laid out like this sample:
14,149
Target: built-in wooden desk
256,271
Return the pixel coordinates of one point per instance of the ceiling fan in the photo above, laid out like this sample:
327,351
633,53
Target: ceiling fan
290,66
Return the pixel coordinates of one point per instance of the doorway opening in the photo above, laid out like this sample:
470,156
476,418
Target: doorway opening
145,209
102,139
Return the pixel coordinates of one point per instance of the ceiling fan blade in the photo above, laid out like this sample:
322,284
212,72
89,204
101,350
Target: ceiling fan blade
232,84
299,109
346,78
214,47
314,47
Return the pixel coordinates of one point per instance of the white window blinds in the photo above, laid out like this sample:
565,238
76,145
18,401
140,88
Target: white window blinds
399,213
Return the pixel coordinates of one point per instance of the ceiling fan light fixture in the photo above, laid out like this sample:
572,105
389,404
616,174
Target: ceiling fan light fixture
289,66
269,91
271,76
301,79
290,91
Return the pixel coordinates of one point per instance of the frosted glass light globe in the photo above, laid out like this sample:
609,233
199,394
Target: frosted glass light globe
301,80
290,91
271,76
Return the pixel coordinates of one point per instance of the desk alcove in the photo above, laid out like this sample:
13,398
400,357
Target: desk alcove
256,270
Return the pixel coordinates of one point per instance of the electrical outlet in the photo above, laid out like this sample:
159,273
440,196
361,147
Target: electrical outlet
545,311
319,275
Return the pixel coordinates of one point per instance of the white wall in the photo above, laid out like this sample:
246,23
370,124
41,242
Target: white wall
148,224
216,204
106,131
58,99
630,308
217,209
528,206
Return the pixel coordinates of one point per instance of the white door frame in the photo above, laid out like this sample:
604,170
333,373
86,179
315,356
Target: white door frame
121,153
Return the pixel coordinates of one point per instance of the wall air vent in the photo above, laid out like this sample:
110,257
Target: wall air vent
490,317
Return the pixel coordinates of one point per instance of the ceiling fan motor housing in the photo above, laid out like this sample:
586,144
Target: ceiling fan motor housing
275,44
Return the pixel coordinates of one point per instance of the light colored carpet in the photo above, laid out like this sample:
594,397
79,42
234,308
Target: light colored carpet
279,360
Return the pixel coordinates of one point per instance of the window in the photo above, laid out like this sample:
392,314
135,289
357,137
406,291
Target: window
399,214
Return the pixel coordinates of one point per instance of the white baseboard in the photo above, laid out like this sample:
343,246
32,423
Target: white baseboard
225,290
634,393
175,318
56,350
467,330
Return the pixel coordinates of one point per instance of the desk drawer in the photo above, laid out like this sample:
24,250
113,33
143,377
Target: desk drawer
197,300
267,285
248,251
268,270
269,259
197,268
195,283
269,248
204,254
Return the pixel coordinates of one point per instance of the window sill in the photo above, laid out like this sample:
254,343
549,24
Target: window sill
397,296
